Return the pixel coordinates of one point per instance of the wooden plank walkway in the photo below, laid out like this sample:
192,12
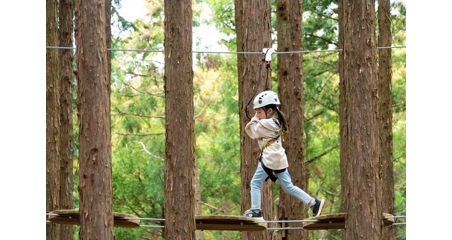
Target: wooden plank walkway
336,221
214,222
72,217
229,223
221,223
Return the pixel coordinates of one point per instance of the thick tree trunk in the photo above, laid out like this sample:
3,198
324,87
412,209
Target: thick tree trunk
93,102
66,127
290,78
290,90
360,163
385,111
179,146
52,117
253,34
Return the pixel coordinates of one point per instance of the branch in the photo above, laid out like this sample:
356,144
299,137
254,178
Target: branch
321,155
144,149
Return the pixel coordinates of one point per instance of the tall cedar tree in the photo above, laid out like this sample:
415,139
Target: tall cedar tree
66,29
289,27
93,102
385,111
361,191
179,122
52,117
253,27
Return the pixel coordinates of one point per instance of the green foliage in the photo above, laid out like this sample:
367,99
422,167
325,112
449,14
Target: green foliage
223,18
218,140
320,24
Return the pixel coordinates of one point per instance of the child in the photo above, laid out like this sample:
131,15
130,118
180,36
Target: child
268,130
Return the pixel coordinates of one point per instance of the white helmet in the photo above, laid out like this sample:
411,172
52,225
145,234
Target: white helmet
266,98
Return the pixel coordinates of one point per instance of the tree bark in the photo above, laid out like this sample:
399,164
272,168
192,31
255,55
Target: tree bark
93,102
253,25
385,111
361,191
289,27
52,117
179,122
66,147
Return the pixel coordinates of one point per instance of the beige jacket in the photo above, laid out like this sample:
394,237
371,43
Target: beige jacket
274,155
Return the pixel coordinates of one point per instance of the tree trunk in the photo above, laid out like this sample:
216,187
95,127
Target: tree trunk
52,118
66,29
108,35
290,78
253,25
385,111
361,191
179,122
93,102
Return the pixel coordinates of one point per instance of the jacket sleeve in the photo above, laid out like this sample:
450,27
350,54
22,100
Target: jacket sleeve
256,128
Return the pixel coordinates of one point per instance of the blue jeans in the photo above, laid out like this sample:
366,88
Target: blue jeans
284,180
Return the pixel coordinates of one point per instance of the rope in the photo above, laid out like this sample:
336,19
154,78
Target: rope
152,226
275,221
255,90
402,223
137,218
285,228
286,221
266,59
395,216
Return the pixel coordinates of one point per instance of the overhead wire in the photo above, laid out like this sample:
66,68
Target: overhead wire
218,52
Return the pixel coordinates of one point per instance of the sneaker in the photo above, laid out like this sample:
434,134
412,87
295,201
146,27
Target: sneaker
317,208
252,213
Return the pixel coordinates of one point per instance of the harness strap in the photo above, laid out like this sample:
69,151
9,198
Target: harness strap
281,134
269,171
269,142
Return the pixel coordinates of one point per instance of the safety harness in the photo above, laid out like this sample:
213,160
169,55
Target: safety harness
266,58
271,172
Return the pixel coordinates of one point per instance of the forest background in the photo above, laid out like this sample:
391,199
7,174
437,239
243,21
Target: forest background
138,114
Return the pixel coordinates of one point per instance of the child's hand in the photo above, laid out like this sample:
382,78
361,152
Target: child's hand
257,115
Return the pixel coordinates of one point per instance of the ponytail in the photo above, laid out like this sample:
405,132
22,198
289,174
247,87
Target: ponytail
281,117
282,120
